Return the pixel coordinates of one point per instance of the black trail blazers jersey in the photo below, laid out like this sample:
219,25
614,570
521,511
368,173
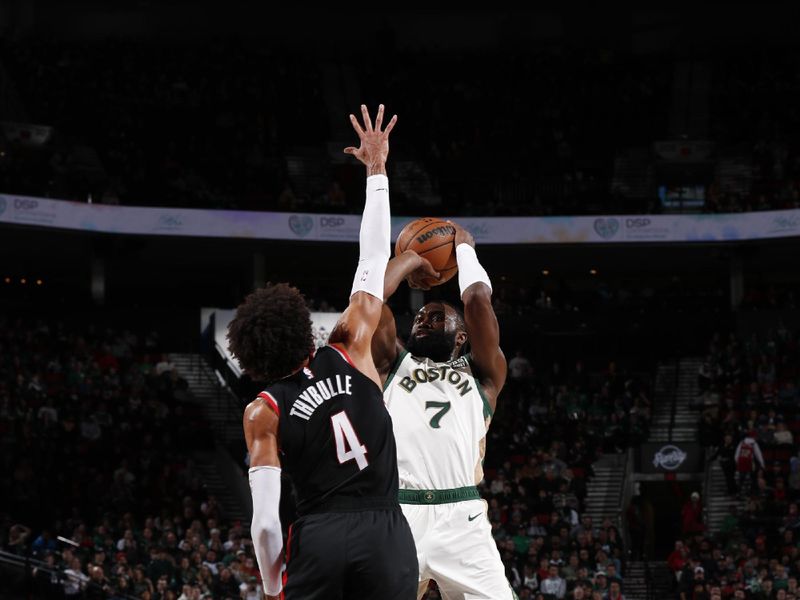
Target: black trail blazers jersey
336,438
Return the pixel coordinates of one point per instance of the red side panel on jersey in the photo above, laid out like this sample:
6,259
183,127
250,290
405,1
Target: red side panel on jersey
343,353
270,401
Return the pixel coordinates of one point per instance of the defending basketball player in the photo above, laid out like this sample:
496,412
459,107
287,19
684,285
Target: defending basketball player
441,401
322,419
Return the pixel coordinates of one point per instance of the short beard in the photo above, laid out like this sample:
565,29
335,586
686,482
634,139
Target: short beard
437,345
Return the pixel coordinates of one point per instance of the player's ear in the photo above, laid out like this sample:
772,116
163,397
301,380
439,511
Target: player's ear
461,338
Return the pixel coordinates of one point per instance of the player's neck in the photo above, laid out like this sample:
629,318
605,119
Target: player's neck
302,366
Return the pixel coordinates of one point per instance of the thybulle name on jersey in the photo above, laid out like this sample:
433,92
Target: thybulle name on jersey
447,372
317,393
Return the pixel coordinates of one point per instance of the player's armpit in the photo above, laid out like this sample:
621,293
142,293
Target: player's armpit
484,337
355,331
385,345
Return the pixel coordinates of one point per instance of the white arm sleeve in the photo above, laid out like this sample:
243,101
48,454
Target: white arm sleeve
374,240
469,269
265,485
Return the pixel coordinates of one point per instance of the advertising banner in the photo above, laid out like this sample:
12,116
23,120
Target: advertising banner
618,229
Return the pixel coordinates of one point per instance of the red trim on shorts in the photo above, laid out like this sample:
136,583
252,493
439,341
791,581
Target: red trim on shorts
270,401
288,556
344,354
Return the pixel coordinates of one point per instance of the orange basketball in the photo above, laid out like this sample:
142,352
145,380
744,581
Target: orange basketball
432,239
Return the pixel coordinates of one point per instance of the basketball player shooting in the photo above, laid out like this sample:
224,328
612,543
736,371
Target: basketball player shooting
441,401
322,419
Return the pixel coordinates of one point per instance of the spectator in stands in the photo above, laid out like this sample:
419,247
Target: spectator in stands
553,584
75,579
693,584
249,590
748,459
614,591
677,560
600,583
520,368
18,536
44,543
692,515
782,435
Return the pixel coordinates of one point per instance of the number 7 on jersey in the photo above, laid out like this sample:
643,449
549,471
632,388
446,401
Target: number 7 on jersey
346,437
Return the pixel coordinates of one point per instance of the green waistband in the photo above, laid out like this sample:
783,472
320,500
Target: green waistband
438,496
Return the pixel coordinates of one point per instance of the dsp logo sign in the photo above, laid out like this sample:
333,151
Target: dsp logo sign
338,227
331,222
637,222
170,221
31,210
23,204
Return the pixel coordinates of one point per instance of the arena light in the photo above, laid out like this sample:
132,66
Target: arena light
7,280
39,282
545,272
23,281
592,271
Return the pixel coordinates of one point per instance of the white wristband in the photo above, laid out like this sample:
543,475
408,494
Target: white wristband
265,485
374,240
469,269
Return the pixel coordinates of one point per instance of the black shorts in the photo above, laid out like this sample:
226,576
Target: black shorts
363,555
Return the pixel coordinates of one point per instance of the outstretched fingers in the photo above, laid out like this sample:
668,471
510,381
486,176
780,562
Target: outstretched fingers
390,126
357,126
366,117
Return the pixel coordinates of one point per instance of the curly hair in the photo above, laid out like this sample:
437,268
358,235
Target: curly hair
271,332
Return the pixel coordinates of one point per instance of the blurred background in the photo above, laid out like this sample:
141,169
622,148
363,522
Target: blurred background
631,176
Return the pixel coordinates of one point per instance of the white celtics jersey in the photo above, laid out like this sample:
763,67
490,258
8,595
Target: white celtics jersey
440,417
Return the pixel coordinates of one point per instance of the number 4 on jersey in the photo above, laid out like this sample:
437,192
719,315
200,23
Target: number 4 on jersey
346,437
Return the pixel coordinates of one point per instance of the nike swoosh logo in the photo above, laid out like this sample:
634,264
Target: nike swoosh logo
472,518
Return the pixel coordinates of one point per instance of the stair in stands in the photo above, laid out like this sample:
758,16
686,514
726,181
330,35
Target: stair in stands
665,385
220,406
684,427
605,489
648,581
676,387
220,473
718,501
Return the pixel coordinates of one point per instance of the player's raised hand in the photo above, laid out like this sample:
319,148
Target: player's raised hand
424,272
374,148
462,235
